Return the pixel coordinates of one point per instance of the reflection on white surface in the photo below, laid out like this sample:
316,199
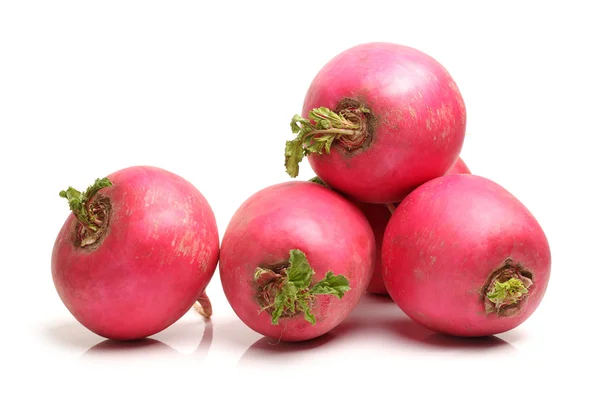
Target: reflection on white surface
190,338
148,348
376,327
377,343
69,334
267,350
142,348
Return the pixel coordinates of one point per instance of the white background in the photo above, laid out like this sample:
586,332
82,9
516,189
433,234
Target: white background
206,89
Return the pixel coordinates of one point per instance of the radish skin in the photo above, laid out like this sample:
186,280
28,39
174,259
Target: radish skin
301,218
463,256
156,253
379,216
378,120
459,167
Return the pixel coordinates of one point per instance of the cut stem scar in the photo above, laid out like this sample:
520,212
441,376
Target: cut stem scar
317,133
507,289
284,290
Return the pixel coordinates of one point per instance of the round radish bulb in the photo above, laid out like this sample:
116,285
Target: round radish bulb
462,256
295,259
137,251
379,120
459,167
379,216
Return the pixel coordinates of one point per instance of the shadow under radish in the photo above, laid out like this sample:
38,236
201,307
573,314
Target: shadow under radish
369,315
142,348
412,331
380,313
270,350
377,316
148,348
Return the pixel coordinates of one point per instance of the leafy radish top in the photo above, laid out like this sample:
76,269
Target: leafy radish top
91,214
286,290
321,129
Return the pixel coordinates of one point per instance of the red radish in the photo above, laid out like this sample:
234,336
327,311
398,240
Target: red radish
136,253
463,256
379,216
295,259
379,120
459,167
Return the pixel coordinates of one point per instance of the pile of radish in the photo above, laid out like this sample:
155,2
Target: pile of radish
393,210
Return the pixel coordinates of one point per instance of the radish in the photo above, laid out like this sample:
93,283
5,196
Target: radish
295,259
378,120
459,167
379,216
137,251
463,256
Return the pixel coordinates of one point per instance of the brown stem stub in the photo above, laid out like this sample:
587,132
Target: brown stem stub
99,209
352,110
269,283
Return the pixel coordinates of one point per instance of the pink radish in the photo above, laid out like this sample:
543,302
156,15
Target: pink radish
379,120
462,256
379,216
136,253
459,167
295,259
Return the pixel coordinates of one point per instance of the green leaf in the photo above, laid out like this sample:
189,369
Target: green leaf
94,188
317,144
323,124
328,144
305,307
508,292
318,180
294,153
294,294
299,272
285,300
77,199
315,148
324,117
74,197
332,284
296,128
319,131
278,308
